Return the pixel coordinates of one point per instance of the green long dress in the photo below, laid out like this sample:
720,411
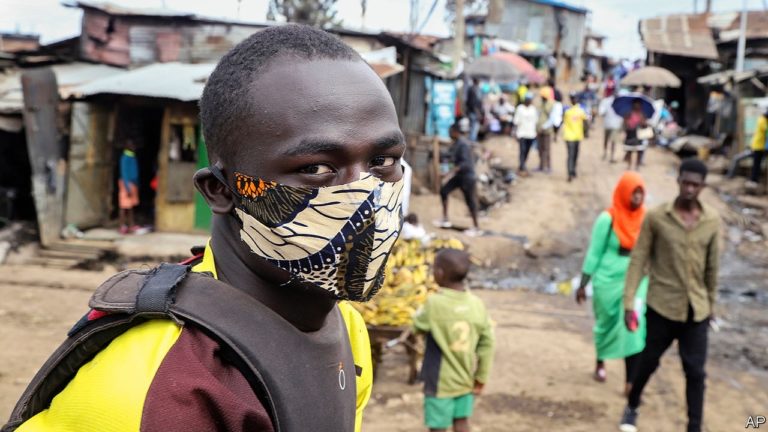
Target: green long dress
608,269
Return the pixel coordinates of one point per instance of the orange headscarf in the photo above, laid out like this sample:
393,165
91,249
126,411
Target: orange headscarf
627,222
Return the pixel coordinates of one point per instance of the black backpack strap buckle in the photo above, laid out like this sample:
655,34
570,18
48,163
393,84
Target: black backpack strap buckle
158,291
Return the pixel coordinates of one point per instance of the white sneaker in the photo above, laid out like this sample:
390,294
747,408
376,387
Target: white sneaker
473,232
442,223
628,420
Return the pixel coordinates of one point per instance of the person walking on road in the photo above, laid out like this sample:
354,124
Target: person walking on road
612,124
759,147
557,116
459,348
545,129
462,176
633,144
613,236
678,244
526,118
574,119
474,107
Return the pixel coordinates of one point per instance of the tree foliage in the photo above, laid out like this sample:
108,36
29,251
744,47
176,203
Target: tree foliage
319,13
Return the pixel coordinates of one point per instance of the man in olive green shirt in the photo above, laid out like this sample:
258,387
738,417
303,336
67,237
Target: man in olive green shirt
459,346
678,246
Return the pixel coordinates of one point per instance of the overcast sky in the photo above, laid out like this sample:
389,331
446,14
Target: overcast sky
617,19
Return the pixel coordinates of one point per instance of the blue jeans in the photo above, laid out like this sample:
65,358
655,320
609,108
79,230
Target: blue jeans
526,144
474,126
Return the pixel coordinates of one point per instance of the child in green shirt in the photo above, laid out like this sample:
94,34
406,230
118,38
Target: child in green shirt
459,345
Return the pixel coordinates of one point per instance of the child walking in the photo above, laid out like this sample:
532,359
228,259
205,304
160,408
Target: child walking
459,345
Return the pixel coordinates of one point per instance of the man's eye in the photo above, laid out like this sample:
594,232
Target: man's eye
316,169
383,161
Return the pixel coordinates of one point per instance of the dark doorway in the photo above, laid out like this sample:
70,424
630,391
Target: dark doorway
16,201
142,126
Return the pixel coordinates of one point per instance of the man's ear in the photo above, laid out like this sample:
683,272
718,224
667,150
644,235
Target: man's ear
216,194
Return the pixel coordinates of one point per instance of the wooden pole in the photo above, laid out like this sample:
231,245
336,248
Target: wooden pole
436,164
458,35
741,48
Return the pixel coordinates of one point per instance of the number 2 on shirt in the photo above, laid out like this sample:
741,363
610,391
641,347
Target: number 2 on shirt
460,330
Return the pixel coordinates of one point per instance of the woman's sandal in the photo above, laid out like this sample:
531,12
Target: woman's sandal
600,375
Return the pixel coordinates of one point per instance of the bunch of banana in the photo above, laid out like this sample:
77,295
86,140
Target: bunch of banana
407,283
446,243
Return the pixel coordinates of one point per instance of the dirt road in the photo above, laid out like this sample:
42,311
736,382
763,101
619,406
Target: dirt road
541,379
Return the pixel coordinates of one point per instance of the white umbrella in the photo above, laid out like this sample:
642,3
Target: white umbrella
651,76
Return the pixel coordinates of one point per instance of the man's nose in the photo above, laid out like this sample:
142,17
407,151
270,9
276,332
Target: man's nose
352,173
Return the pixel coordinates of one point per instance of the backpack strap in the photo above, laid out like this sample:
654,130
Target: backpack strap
129,298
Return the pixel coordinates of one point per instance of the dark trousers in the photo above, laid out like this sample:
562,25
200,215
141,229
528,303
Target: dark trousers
525,147
468,186
573,156
692,343
544,141
757,162
630,365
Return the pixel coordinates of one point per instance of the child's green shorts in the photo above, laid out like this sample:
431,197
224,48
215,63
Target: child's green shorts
439,413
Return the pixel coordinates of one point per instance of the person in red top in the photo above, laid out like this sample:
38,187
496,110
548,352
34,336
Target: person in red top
632,122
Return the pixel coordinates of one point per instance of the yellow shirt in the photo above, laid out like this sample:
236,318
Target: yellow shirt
108,396
521,92
358,340
759,138
573,124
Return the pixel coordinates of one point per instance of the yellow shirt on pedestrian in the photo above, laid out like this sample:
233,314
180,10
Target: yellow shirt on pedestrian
759,138
573,123
522,90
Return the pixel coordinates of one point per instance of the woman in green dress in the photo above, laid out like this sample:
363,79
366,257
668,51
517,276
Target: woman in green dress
613,236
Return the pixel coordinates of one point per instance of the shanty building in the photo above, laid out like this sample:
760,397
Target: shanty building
555,24
684,45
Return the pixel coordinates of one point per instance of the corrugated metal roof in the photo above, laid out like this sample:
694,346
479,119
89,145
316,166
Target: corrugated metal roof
179,81
383,61
561,5
729,25
68,75
682,35
728,75
118,10
421,42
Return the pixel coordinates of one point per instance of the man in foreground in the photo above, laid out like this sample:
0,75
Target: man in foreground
678,243
306,201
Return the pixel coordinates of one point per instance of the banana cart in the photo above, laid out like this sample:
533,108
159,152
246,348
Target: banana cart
384,338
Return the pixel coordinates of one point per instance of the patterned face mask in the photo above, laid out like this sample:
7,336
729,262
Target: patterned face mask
337,237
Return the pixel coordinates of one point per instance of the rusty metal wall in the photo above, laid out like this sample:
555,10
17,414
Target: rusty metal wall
413,115
41,100
89,185
209,42
105,39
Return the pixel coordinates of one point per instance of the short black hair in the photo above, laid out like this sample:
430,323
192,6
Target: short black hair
454,262
223,107
693,165
412,219
456,125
